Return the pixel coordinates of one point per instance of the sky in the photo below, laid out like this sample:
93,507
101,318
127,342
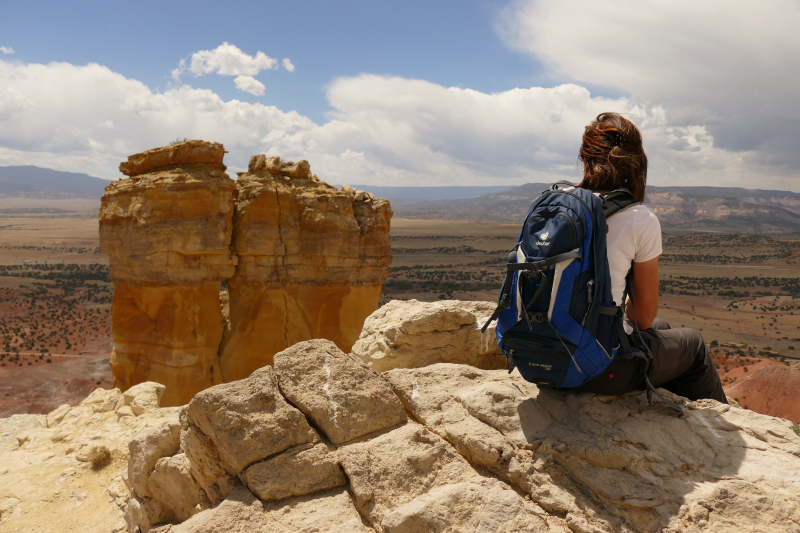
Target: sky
412,93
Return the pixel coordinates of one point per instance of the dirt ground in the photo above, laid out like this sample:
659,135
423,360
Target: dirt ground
55,305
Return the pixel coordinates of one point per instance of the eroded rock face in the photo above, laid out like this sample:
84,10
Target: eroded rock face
167,232
312,260
412,334
487,451
337,391
311,263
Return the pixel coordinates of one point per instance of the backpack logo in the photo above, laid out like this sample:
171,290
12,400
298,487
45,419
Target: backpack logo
544,241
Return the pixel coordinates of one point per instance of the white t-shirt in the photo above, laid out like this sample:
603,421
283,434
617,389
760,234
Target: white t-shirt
634,236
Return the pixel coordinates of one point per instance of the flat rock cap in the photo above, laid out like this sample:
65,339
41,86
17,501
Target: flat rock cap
189,152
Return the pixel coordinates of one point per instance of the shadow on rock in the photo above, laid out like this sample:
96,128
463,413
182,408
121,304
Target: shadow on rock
605,463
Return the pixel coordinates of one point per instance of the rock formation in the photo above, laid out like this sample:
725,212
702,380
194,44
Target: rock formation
64,471
469,450
167,232
412,334
322,443
312,261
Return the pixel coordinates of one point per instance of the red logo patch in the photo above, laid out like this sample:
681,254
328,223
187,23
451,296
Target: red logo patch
610,375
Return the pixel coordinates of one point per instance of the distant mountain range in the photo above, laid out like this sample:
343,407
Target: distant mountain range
725,209
44,183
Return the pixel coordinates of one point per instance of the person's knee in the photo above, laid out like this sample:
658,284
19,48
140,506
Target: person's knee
660,324
695,343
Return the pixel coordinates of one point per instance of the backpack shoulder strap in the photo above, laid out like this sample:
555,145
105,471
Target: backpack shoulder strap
616,201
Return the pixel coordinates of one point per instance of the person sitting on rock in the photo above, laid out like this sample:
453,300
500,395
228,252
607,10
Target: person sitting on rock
613,158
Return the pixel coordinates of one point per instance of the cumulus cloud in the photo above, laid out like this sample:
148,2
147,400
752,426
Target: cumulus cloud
381,130
89,118
250,85
730,66
229,60
9,50
288,65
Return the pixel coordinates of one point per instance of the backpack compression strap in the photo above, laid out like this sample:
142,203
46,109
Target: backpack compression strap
533,268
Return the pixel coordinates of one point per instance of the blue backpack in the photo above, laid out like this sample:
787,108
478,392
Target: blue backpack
556,320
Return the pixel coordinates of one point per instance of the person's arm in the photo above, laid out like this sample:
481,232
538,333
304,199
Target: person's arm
644,287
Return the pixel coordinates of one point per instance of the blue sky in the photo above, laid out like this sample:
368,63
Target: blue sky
411,93
451,43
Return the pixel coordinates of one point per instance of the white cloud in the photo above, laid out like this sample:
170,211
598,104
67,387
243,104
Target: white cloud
228,60
729,65
9,50
250,85
381,130
288,65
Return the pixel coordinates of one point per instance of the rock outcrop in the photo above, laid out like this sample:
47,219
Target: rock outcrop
441,448
312,261
482,451
167,232
412,334
67,471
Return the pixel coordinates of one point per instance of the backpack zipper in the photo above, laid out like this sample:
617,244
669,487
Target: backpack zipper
590,292
572,227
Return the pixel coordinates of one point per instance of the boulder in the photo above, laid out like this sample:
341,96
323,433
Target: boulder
205,465
301,470
337,391
242,512
173,485
249,420
146,448
312,261
412,334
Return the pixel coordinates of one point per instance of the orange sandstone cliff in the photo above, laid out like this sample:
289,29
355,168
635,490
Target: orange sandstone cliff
311,263
312,260
167,232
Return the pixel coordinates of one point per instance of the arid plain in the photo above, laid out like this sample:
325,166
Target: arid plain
741,291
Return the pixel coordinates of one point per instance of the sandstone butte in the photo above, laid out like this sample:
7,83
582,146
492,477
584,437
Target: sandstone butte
312,261
322,443
303,259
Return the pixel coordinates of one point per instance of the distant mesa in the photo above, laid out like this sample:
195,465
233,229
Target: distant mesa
302,260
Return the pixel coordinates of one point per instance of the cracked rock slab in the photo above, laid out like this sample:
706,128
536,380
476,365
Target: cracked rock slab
242,512
605,463
298,471
411,480
337,391
249,420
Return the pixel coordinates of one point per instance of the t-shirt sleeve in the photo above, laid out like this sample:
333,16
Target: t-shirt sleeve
648,237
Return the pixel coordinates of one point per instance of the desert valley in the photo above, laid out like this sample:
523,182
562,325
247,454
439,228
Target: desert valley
742,291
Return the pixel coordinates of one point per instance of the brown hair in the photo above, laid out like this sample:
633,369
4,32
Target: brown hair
613,156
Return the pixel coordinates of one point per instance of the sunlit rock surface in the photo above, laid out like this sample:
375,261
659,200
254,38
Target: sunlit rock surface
167,232
312,261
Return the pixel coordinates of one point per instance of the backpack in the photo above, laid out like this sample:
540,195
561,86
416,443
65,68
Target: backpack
556,320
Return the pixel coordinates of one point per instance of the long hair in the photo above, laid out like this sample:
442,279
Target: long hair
613,156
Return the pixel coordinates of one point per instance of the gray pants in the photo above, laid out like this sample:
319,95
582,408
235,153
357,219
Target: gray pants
681,364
